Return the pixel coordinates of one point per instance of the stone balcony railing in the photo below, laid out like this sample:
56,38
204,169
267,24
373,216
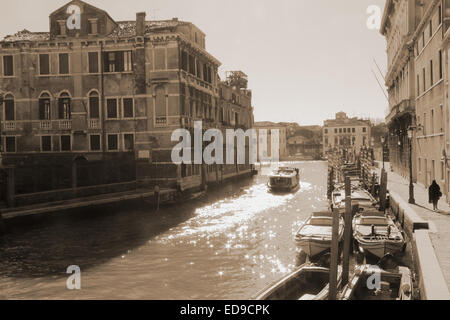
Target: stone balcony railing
65,124
10,125
94,124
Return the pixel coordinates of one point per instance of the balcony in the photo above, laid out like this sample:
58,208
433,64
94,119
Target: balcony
45,125
10,125
94,124
65,124
161,121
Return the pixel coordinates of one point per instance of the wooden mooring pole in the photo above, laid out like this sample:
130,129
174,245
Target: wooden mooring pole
334,256
383,190
347,231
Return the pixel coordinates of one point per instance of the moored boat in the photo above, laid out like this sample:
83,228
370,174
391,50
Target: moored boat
308,282
285,179
377,234
314,236
365,200
372,283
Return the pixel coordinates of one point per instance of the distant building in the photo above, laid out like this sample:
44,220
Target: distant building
269,126
346,133
303,148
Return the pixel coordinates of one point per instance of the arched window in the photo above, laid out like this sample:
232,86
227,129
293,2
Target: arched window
44,107
10,114
94,105
64,109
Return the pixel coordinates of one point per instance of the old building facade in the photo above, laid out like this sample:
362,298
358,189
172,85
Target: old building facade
430,112
345,133
94,102
398,26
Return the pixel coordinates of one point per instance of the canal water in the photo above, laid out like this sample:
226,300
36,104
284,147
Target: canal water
227,245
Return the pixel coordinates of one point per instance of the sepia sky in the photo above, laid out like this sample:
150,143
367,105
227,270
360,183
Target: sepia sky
306,60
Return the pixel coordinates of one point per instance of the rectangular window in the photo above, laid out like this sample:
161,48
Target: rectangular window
44,64
93,62
63,63
424,80
326,131
64,109
442,171
46,143
9,110
364,129
44,109
431,73
432,122
419,161
439,15
10,143
118,61
440,65
423,39
184,61
128,108
353,130
111,106
66,144
128,141
94,108
94,140
418,85
8,66
113,142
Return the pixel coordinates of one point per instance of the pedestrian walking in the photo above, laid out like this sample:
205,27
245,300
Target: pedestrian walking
434,194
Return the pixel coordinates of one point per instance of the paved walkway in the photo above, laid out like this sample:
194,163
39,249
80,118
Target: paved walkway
439,222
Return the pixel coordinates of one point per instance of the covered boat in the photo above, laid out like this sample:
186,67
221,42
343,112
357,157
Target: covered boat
372,283
377,234
285,179
309,282
314,236
364,199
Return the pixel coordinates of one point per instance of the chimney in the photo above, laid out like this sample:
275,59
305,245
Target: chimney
140,24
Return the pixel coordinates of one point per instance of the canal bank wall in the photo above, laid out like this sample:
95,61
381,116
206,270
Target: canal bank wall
431,282
143,195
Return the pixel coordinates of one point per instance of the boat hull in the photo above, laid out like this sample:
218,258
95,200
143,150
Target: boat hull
306,283
380,249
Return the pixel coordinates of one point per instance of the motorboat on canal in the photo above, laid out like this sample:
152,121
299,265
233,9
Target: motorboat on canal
392,285
284,179
314,236
376,234
308,282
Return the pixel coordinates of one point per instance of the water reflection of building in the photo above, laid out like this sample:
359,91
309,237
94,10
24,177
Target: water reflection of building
91,109
268,127
349,134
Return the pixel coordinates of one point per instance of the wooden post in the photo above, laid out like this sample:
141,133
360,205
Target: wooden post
383,190
334,256
347,232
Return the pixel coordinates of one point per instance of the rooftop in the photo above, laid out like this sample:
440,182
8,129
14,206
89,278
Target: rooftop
124,29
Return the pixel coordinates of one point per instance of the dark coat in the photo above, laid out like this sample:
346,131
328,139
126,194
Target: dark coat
434,192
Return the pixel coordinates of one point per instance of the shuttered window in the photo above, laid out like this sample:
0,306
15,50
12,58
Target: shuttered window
63,63
8,66
44,64
93,62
